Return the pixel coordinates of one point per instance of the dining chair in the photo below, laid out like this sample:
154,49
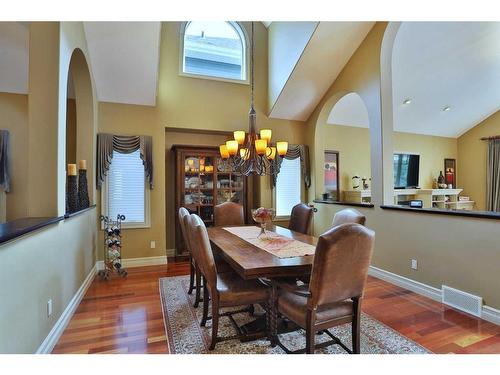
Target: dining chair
183,212
228,213
333,297
226,289
300,218
348,215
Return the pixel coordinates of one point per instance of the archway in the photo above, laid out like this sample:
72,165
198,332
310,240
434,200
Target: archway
80,116
342,134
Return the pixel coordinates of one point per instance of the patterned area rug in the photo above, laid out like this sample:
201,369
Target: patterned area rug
185,336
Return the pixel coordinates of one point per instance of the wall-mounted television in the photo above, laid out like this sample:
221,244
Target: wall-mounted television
406,169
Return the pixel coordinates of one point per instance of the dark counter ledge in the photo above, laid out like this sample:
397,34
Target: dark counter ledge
437,211
17,228
366,205
76,213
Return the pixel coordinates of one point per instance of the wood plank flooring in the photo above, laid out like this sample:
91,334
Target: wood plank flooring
124,316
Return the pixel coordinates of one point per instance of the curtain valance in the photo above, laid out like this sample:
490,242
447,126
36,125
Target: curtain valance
294,152
493,176
4,160
125,144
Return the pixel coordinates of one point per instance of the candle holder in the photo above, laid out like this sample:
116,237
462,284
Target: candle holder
83,191
71,194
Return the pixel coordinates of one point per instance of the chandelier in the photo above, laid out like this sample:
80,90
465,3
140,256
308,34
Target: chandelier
252,153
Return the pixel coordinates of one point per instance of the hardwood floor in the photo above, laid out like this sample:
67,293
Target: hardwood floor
124,316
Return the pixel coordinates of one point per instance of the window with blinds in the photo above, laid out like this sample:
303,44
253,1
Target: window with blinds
288,187
126,192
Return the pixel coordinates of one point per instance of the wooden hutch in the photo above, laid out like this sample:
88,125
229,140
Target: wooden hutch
201,183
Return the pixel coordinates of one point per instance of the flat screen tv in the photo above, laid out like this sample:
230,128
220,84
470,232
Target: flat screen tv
406,169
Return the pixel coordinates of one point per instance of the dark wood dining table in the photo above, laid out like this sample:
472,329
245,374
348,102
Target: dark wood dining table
251,262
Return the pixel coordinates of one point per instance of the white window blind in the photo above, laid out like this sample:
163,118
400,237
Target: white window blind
126,188
288,186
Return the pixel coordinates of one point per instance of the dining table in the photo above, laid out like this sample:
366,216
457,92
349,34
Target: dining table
252,262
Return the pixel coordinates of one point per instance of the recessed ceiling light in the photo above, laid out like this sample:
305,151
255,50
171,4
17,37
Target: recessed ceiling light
407,101
447,108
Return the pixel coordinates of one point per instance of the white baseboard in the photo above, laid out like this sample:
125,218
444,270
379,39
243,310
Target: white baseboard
404,282
138,262
61,324
488,313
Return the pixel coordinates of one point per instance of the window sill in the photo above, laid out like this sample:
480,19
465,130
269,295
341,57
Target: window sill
212,78
437,211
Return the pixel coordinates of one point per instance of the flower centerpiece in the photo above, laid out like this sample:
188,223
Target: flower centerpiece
263,216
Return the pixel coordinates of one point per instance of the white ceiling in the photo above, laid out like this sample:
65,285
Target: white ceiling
350,110
439,64
125,58
329,49
14,57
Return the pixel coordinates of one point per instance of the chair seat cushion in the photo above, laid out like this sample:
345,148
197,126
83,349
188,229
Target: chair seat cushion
235,291
294,307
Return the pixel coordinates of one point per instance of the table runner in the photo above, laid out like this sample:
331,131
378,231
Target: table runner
276,244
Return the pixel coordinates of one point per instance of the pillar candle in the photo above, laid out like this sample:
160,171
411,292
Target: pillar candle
71,169
82,164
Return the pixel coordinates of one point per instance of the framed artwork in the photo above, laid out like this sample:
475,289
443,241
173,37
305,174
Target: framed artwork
450,172
331,173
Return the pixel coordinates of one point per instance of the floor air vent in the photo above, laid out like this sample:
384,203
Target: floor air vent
461,300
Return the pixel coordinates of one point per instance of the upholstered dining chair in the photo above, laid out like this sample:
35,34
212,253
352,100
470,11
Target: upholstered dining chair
334,295
226,289
228,213
300,218
348,215
183,213
222,266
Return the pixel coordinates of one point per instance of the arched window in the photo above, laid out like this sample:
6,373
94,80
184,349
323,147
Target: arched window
214,50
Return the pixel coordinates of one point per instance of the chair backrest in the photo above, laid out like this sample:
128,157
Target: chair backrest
300,218
229,213
202,250
348,216
340,265
183,212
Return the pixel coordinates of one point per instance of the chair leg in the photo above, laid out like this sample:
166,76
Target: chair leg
191,276
205,304
356,326
251,310
198,288
215,322
310,333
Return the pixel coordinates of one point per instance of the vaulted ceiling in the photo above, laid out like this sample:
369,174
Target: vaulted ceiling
327,51
445,64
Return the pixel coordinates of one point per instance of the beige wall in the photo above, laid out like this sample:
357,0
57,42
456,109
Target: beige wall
432,150
71,131
455,251
33,269
472,153
353,144
14,118
36,262
191,103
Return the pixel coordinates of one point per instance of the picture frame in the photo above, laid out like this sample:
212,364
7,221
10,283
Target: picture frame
450,172
331,167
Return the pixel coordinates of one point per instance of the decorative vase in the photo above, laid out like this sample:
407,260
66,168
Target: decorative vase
83,191
71,194
263,216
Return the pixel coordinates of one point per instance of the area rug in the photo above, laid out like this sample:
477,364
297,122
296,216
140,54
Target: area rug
185,336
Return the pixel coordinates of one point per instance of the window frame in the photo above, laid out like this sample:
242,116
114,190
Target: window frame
302,193
241,31
147,206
